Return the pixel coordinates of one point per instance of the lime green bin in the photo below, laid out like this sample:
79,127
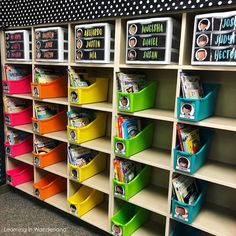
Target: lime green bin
128,219
129,147
132,102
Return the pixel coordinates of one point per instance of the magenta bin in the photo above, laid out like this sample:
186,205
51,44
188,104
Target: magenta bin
17,86
19,118
20,174
25,146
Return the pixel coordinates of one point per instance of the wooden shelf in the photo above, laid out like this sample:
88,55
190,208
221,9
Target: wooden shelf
58,201
59,168
100,144
99,182
62,101
154,157
26,128
209,68
26,158
99,65
216,220
19,62
152,198
151,228
153,113
150,66
59,135
100,106
98,217
26,187
216,122
50,63
24,96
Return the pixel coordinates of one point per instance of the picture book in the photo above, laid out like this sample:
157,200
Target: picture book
131,128
44,145
12,105
79,120
15,136
78,79
13,72
44,111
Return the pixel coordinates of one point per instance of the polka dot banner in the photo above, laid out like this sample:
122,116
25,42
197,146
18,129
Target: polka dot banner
28,12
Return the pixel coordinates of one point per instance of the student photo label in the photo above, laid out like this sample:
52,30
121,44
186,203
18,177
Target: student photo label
73,135
181,212
36,126
183,164
35,91
74,174
116,230
36,161
187,110
119,190
120,147
73,209
124,103
74,96
8,150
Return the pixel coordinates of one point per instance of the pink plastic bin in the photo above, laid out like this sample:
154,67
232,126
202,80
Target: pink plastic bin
19,118
20,174
26,146
17,86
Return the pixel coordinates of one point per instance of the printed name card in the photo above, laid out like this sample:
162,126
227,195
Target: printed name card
18,45
152,41
214,39
51,44
94,43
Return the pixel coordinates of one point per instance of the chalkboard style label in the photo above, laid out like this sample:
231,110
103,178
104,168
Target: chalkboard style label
94,43
214,39
152,41
18,45
51,44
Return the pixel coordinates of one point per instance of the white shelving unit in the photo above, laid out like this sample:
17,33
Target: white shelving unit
218,215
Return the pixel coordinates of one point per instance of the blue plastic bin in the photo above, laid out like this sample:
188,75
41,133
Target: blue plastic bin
185,212
190,163
199,109
184,230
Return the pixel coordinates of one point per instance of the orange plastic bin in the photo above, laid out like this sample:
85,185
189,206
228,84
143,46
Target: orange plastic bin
49,186
57,154
54,89
55,123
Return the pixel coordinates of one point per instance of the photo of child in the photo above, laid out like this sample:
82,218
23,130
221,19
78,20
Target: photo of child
202,40
36,161
181,212
74,96
116,230
37,35
124,102
7,119
201,54
73,209
38,44
73,135
79,33
35,91
132,55
8,150
74,174
187,109
183,163
203,25
132,42
133,29
36,192
38,54
79,44
36,126
120,147
119,190
79,55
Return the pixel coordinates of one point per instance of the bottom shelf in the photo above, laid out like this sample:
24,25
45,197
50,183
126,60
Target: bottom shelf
58,201
151,228
26,187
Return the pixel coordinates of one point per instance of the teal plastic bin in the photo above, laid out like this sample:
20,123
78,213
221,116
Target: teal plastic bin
190,163
184,230
128,219
198,109
185,212
128,190
129,147
132,102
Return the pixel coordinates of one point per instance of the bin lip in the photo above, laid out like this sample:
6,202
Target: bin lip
46,84
91,191
18,81
45,154
48,185
14,113
50,118
24,168
18,144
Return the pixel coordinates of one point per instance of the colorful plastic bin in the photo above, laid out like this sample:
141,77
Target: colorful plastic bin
129,147
19,118
184,230
132,102
95,166
198,109
56,155
53,124
95,129
185,212
128,219
96,92
49,186
23,147
17,86
190,163
54,89
84,200
20,174
128,190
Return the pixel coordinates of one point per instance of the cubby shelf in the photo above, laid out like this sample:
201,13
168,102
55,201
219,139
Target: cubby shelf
148,66
59,168
58,201
59,135
62,100
26,158
99,106
99,65
151,228
26,187
26,128
209,68
24,96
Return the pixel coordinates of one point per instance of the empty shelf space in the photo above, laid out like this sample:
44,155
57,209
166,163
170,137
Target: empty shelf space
26,158
25,96
218,173
27,128
154,157
59,135
62,100
153,113
26,187
59,200
59,168
151,228
216,220
98,217
100,106
99,182
100,144
152,198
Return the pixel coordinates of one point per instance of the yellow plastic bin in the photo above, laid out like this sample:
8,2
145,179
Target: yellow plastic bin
84,200
96,92
96,129
95,166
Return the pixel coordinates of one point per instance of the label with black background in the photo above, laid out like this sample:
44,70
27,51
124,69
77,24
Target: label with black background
49,44
94,32
47,54
14,36
151,54
15,54
90,43
44,35
91,55
14,45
